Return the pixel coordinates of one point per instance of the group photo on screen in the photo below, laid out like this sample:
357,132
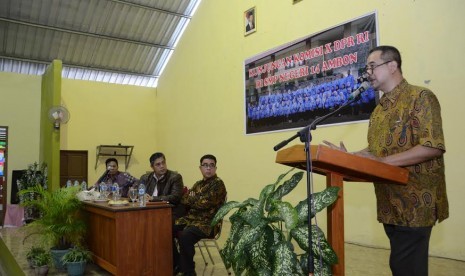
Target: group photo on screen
292,85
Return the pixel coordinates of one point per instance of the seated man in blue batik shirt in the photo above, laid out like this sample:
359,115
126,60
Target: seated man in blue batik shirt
113,175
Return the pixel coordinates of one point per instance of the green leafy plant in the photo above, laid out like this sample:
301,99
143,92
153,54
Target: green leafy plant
33,252
60,224
41,258
77,254
34,175
264,231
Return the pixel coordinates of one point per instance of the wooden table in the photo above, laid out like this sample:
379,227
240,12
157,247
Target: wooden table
131,240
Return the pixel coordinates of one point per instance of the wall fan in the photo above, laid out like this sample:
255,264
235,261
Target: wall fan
58,115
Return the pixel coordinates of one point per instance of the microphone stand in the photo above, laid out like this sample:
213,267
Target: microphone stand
306,137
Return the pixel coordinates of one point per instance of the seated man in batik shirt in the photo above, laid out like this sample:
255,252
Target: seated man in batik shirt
113,175
202,201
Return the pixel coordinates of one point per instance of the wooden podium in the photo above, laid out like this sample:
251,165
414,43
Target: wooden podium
338,167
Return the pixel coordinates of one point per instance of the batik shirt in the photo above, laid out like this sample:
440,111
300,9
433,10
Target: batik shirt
406,117
124,180
209,196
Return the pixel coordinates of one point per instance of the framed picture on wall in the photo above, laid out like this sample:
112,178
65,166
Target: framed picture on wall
250,21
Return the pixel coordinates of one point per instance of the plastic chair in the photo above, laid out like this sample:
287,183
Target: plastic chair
211,242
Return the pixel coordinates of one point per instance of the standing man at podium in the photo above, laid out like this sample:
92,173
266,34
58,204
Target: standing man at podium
405,130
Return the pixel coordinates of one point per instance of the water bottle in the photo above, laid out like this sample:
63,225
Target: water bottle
84,186
115,191
141,194
68,184
103,190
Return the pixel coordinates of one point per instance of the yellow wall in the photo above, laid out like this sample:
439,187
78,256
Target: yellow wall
108,114
200,97
101,113
20,111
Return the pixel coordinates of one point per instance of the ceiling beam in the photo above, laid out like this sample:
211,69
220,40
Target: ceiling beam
46,63
100,36
151,8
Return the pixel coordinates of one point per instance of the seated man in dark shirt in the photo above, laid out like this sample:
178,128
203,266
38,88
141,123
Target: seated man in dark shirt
163,184
202,201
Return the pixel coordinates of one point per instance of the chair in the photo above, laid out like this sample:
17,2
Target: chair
211,242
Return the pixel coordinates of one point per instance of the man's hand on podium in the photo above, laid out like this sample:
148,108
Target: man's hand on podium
341,147
363,153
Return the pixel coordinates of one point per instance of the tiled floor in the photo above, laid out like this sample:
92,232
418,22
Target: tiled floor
360,260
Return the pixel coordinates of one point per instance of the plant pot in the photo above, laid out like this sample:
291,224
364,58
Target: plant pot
41,270
57,254
29,262
76,268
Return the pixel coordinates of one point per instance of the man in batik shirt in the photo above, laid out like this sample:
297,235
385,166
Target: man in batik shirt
113,175
406,130
202,201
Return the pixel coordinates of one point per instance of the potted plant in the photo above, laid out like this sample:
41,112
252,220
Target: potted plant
264,232
34,175
32,253
60,224
76,259
40,262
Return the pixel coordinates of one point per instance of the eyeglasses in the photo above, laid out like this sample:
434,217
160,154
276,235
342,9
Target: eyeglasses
206,166
373,67
159,164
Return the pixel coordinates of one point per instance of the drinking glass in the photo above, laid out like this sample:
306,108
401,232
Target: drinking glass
133,194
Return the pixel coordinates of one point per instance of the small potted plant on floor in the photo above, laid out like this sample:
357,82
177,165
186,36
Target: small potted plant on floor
41,262
76,259
32,253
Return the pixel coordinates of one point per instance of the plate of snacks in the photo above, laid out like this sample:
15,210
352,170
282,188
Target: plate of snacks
118,202
100,199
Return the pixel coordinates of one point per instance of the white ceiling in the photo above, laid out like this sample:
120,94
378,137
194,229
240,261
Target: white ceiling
116,41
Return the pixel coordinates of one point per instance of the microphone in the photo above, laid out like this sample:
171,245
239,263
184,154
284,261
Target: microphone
364,86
